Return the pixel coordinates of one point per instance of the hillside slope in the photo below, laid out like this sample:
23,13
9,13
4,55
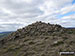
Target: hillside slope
38,39
2,34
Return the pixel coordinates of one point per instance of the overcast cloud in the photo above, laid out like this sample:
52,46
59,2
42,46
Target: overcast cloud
16,14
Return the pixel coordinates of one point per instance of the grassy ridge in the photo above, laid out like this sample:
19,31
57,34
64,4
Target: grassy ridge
2,34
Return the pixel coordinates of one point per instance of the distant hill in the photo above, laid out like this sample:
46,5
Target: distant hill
2,34
38,39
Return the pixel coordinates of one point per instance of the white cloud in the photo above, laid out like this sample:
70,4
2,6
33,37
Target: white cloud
67,9
66,21
69,17
19,13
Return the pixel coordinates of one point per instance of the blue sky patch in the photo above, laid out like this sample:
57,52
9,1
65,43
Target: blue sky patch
67,14
73,2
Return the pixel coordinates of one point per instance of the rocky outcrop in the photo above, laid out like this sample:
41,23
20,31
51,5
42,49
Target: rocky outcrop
38,39
40,28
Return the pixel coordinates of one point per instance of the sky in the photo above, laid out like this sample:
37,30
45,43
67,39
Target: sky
15,14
